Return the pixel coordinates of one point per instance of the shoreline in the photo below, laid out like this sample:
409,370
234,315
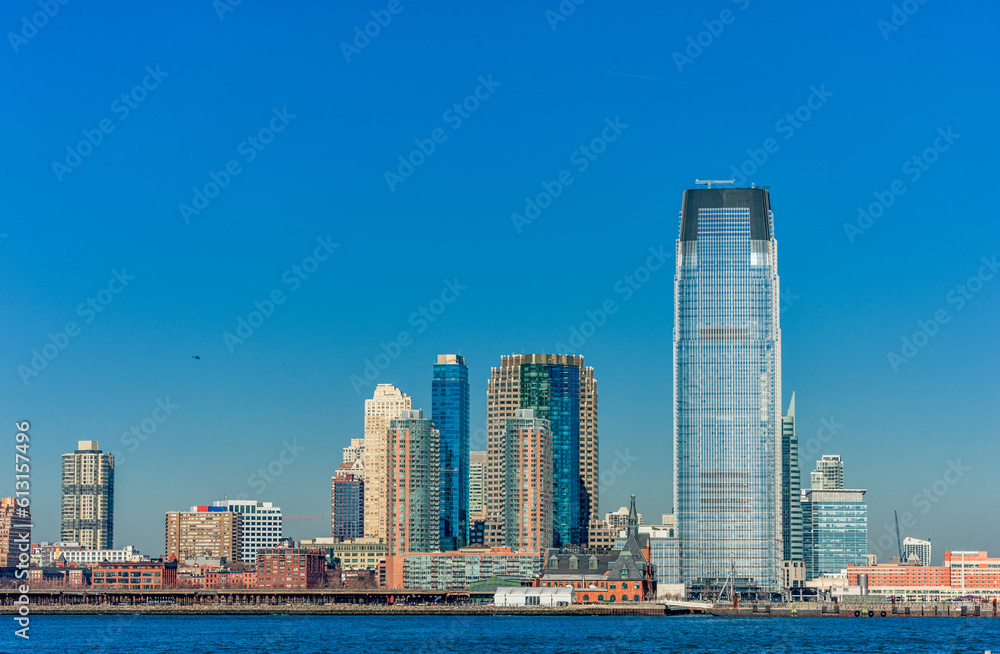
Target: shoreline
646,610
658,610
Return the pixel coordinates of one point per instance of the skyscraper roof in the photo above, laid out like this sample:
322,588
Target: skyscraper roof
757,199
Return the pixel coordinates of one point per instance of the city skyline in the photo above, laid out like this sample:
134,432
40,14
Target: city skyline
455,259
875,530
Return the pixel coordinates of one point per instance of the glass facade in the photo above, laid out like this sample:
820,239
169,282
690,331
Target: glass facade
920,548
829,473
835,531
450,413
665,559
553,391
664,555
348,506
791,488
260,525
727,391
458,571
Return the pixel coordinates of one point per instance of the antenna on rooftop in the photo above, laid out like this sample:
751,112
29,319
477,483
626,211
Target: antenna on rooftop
714,181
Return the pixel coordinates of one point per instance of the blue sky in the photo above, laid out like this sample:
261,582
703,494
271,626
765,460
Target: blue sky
838,102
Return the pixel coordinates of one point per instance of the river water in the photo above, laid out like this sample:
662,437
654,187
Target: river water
139,634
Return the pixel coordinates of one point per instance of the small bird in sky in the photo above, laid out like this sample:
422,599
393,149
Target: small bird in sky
195,357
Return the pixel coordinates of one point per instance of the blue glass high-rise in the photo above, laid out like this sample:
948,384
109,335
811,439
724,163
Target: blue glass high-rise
553,391
727,392
450,413
835,530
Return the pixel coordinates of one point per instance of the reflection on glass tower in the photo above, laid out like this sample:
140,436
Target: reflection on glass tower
727,391
450,412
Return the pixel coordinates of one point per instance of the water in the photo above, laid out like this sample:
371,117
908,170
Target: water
141,634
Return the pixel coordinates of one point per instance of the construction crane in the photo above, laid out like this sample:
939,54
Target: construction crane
305,517
899,543
714,181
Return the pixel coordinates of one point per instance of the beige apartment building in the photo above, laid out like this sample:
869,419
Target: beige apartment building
200,532
386,404
88,497
477,486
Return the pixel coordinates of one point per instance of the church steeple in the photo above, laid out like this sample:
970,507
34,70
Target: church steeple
633,520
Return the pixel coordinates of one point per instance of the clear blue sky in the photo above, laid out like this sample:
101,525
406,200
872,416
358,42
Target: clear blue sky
878,99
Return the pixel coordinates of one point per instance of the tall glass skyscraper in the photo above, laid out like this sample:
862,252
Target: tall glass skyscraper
562,390
727,391
450,413
553,391
791,488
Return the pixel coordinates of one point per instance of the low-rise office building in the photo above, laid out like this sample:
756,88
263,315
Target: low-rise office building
224,578
834,530
457,570
350,554
90,557
57,576
144,575
45,554
290,568
260,525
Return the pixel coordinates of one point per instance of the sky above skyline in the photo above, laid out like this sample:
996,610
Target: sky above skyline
488,180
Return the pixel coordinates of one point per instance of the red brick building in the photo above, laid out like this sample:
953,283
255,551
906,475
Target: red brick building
292,568
145,575
963,574
623,575
50,576
895,575
611,576
230,578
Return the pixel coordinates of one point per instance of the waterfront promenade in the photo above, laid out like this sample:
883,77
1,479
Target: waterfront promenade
428,602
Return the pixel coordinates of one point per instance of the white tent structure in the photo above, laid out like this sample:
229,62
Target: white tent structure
529,596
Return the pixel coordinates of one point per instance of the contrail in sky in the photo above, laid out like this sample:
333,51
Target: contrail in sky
658,79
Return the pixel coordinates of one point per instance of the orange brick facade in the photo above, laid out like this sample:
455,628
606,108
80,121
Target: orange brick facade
963,573
594,591
151,575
